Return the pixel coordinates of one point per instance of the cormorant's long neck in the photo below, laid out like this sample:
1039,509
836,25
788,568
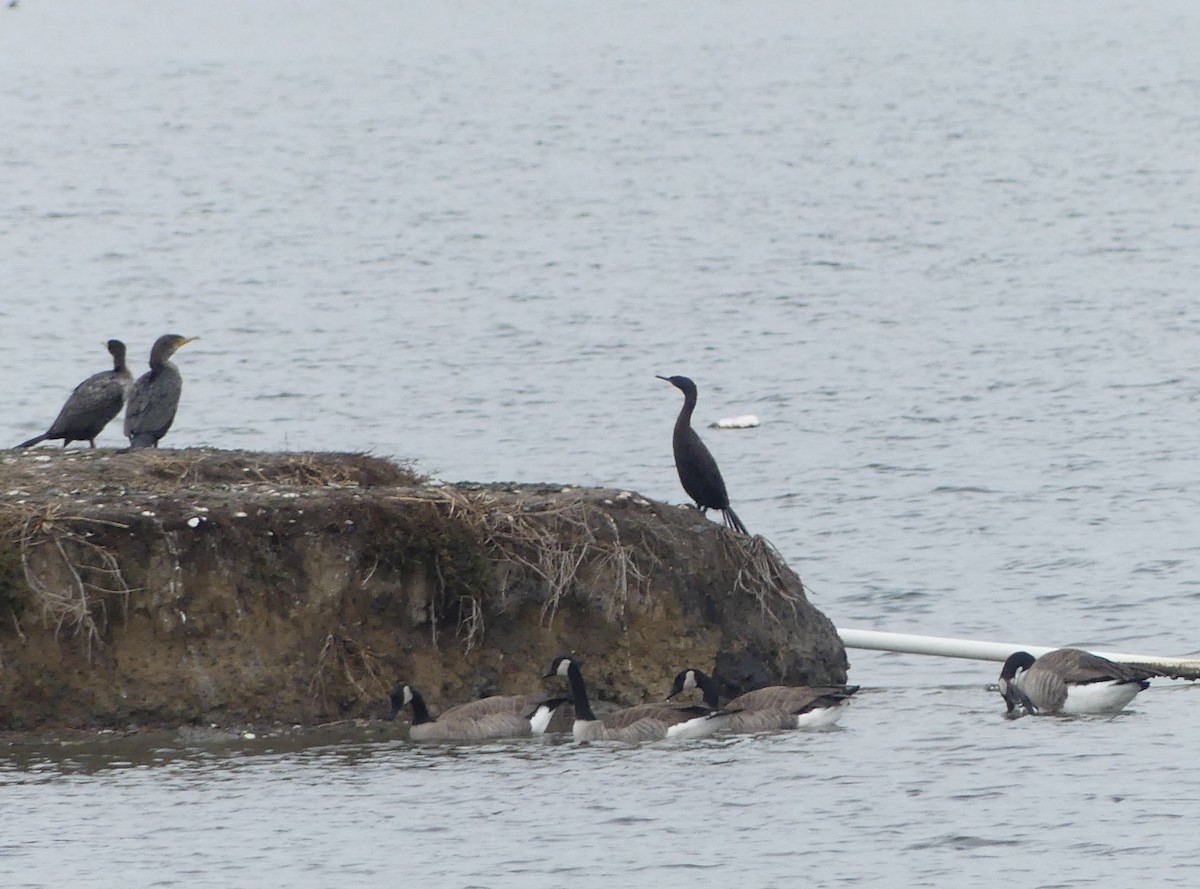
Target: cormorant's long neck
420,711
583,710
709,688
162,366
685,414
119,364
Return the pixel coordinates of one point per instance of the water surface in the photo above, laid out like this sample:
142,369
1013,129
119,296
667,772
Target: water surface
946,252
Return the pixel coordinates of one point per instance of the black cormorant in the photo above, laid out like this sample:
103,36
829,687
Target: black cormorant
92,405
698,472
155,395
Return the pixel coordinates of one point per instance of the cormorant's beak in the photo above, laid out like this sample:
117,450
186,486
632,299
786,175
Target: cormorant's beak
661,377
186,340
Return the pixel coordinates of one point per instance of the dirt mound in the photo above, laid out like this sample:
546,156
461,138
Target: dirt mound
174,587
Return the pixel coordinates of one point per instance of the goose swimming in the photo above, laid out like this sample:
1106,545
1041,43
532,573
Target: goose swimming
774,708
1069,681
499,716
642,722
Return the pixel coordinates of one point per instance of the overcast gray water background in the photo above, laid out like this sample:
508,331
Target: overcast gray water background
947,251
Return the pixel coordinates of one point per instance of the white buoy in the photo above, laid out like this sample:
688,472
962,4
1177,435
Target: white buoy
974,649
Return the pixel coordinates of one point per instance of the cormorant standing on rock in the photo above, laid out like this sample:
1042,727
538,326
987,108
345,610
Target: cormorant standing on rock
155,395
698,472
92,405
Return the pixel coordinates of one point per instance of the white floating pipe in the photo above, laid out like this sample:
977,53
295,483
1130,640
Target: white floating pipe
910,643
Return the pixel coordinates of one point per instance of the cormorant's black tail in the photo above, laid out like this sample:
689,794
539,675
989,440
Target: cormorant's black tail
732,520
34,440
143,440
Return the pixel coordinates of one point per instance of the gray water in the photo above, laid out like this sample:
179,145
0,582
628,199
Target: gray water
947,251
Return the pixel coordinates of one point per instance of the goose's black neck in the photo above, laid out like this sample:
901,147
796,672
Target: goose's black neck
1020,660
708,688
420,711
583,710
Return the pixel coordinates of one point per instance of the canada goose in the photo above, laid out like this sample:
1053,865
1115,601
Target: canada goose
773,708
643,722
500,716
1069,681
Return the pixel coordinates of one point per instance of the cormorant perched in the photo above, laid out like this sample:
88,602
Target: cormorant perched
698,472
155,395
92,405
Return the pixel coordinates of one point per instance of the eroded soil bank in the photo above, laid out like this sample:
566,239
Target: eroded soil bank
165,588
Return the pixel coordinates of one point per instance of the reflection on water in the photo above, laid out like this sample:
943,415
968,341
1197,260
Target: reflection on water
947,257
